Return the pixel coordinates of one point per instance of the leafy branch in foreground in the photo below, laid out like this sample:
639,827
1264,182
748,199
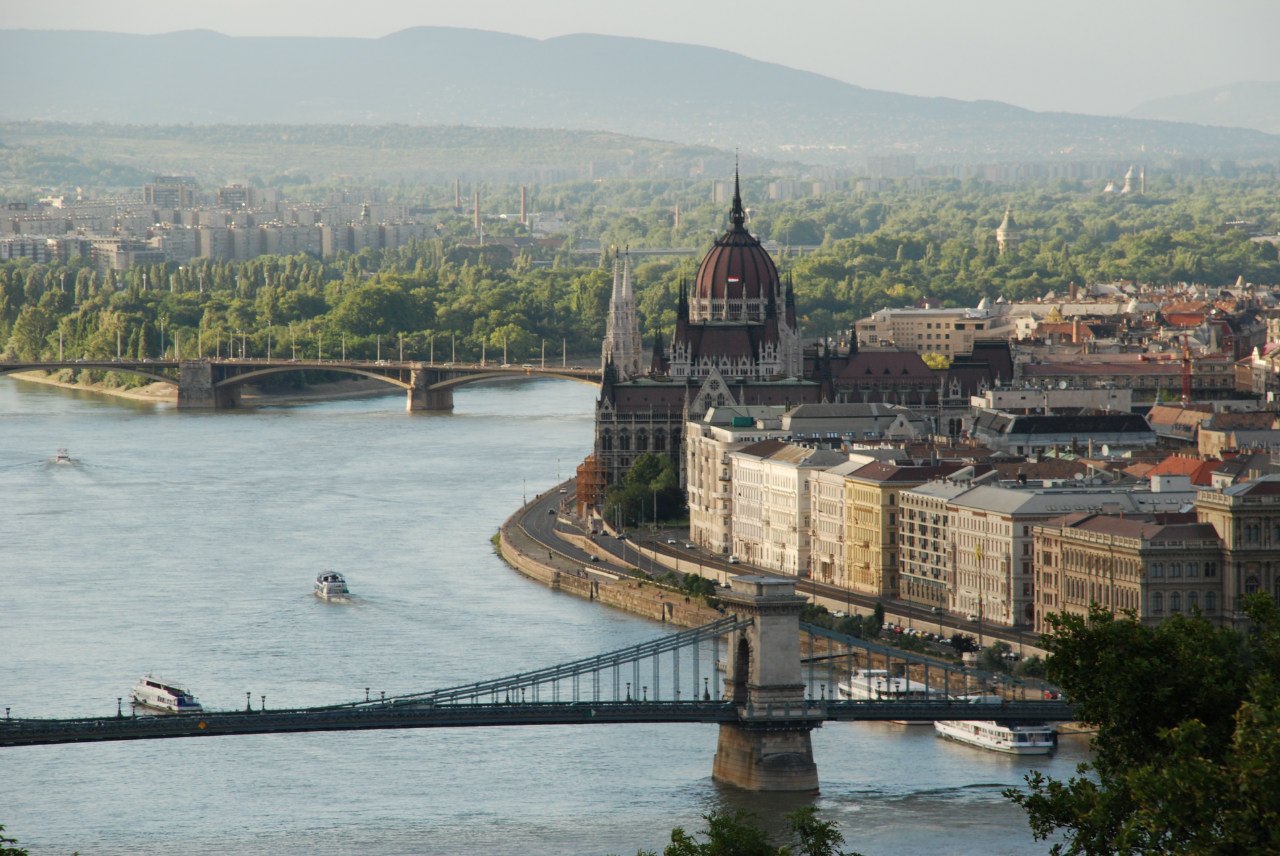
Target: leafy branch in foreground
736,834
1187,753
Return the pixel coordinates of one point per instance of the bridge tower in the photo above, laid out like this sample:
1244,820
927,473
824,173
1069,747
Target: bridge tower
769,747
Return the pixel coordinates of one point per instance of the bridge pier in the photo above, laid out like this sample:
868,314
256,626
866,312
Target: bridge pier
423,398
197,391
769,748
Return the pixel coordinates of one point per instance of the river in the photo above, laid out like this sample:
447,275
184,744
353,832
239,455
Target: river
185,544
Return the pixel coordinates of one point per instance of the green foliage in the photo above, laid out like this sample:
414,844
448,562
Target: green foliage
736,834
1187,753
650,491
5,849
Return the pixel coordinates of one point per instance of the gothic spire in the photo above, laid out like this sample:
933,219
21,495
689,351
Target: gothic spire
738,216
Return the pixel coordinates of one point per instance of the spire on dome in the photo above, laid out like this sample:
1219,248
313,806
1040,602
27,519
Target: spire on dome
737,216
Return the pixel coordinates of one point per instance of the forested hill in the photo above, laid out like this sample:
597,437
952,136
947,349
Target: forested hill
442,76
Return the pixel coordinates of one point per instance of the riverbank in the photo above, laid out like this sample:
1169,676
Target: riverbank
167,393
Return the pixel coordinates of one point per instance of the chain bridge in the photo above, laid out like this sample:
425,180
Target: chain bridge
779,681
215,384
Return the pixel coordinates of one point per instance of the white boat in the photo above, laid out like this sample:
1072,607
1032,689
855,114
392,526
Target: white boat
162,695
879,685
331,586
62,457
1012,738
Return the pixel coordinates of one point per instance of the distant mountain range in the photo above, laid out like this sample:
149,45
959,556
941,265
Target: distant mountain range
439,76
1242,105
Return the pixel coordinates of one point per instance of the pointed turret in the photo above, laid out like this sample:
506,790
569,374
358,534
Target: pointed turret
658,363
622,333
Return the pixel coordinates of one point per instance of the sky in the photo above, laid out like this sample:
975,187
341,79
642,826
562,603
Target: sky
1084,56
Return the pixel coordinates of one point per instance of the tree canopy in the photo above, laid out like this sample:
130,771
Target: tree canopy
1187,752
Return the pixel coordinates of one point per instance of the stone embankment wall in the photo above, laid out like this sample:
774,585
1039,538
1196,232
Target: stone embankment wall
646,599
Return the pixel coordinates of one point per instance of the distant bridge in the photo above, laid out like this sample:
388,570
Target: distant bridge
765,711
216,384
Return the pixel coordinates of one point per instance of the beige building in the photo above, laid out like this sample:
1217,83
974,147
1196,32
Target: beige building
940,331
770,483
708,442
1142,563
827,523
872,520
1247,519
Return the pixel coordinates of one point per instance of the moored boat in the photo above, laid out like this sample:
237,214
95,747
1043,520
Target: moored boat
1011,738
880,685
331,586
153,693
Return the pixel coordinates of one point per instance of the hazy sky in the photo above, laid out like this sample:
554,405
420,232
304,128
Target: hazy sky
1085,56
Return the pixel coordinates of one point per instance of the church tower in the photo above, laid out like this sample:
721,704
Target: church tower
622,335
1007,234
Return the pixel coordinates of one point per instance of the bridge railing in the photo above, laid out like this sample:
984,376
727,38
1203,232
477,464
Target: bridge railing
600,677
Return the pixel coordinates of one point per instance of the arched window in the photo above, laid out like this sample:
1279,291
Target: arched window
606,441
659,441
1210,569
624,441
1251,584
1157,603
1175,569
1193,601
1157,569
642,441
1175,601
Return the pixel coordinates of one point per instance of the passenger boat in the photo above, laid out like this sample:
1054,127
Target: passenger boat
879,685
331,586
1012,738
162,695
62,457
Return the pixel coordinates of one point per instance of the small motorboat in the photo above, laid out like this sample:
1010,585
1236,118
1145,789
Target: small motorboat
62,456
331,586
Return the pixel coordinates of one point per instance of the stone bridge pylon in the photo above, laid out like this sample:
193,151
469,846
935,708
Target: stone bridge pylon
769,747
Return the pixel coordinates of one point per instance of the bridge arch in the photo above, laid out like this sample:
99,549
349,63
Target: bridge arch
267,371
123,368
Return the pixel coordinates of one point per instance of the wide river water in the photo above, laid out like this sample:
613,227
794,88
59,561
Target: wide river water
186,545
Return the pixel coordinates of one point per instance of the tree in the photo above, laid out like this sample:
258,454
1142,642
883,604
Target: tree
5,849
735,834
1187,753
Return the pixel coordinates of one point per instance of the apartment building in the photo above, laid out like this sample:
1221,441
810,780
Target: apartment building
771,481
1155,565
939,331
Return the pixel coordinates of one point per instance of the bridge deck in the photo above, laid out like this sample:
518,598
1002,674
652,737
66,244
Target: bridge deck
378,715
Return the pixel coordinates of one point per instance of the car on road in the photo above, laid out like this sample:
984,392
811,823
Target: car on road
526,365
551,511
595,558
688,545
671,540
733,560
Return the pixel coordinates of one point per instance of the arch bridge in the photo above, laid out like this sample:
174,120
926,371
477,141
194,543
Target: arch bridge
779,684
216,384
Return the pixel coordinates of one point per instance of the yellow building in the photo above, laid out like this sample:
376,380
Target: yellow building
873,520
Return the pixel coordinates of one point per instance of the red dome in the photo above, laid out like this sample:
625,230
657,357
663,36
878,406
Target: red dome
737,267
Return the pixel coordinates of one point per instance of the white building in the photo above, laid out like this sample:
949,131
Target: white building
770,483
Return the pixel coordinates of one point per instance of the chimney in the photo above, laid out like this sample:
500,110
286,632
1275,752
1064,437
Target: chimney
476,212
524,210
